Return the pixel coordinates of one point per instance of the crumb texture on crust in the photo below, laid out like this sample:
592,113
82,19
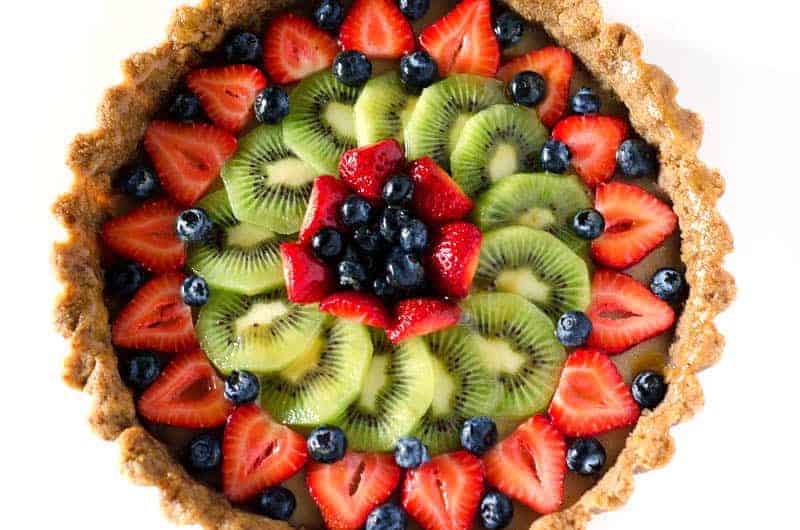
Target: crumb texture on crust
611,52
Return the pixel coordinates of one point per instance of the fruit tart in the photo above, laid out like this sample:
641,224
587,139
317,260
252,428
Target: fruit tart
391,264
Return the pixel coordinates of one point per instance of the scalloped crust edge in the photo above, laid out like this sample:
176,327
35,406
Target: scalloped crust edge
611,52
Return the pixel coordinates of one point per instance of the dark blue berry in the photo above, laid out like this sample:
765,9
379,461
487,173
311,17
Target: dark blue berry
414,236
271,105
242,387
367,239
405,272
355,210
588,224
326,445
391,221
205,452
478,434
194,291
585,101
327,244
140,183
573,329
398,190
414,9
555,157
527,88
508,28
381,287
243,48
277,503
418,69
193,225
126,278
410,453
141,370
667,284
649,389
586,456
496,510
352,68
353,275
185,107
387,517
329,15
637,158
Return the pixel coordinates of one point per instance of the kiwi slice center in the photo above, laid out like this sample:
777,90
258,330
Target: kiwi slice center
374,383
443,391
503,162
540,218
523,282
307,361
456,129
260,314
340,118
498,355
247,236
290,171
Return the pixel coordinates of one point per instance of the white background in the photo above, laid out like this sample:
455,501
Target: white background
736,63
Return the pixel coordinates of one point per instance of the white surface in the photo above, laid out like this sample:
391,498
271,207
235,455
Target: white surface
735,465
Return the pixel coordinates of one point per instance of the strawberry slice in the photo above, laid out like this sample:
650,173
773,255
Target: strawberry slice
419,316
463,40
187,157
308,280
453,258
188,394
156,318
529,465
365,169
443,494
295,48
437,198
378,29
258,452
323,207
555,65
593,142
591,397
624,313
147,235
227,93
363,308
636,223
347,491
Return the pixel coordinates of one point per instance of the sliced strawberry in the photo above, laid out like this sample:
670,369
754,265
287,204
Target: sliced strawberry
593,142
529,465
624,312
463,40
555,65
437,198
147,235
365,169
188,394
636,223
308,280
363,308
295,48
347,491
258,452
378,29
591,397
443,494
415,317
227,93
156,318
187,157
453,258
323,206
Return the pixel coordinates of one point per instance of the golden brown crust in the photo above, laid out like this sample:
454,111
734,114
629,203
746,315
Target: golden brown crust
612,52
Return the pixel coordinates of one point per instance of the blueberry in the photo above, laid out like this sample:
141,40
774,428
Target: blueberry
414,9
141,370
586,456
381,288
355,210
277,503
194,291
327,244
367,239
496,510
140,183
391,221
271,105
478,434
126,278
326,445
193,225
418,69
353,275
414,236
667,284
410,453
637,158
329,15
243,48
398,190
352,68
649,389
205,452
242,387
585,101
185,107
555,157
508,28
573,329
527,88
588,224
387,517
405,272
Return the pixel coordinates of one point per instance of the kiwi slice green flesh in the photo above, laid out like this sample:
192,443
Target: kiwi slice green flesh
536,265
324,379
261,334
321,122
443,110
239,256
383,109
516,342
495,143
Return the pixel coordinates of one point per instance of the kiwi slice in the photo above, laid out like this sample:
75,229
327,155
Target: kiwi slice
539,200
535,265
517,344
321,122
397,391
442,111
324,379
495,143
383,109
239,256
261,334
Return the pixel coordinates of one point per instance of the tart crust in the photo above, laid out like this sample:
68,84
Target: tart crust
611,52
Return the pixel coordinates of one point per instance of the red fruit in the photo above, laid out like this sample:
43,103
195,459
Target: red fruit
437,198
363,308
453,258
378,29
365,169
295,48
636,223
187,157
443,494
156,318
347,491
258,452
189,394
529,465
323,206
591,397
308,280
593,142
463,40
624,313
227,93
419,316
555,65
147,235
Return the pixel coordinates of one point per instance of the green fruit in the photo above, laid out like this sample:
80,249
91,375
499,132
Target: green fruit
383,109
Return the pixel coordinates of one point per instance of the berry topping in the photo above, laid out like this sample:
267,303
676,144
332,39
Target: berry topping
295,48
205,452
125,278
586,456
410,453
352,68
327,244
382,288
271,105
185,107
405,272
140,182
193,225
637,158
413,236
141,370
366,169
508,28
573,329
555,157
352,275
242,387
453,258
593,142
307,279
478,435
367,239
418,69
363,308
326,445
194,291
243,47
585,101
329,15
378,29
667,284
387,517
527,88
420,316
414,9
437,198
355,210
649,389
323,206
398,190
227,93
588,224
496,510
276,502
391,221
